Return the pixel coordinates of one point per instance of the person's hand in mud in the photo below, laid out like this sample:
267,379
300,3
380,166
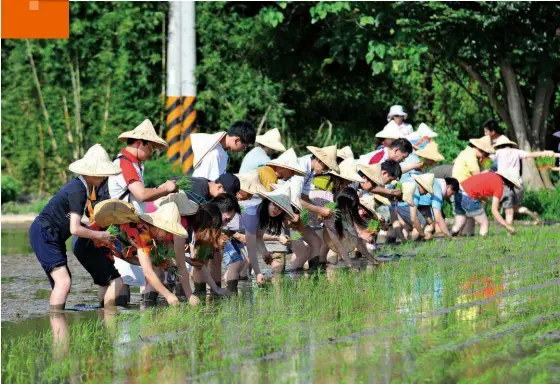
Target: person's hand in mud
222,291
172,299
284,241
511,230
260,279
367,236
428,236
193,300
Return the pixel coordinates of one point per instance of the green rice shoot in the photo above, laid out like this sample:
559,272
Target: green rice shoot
204,252
295,236
398,185
546,162
184,184
373,225
304,216
487,163
113,230
333,207
161,253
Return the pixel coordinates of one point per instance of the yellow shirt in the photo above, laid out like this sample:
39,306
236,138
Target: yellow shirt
267,177
465,164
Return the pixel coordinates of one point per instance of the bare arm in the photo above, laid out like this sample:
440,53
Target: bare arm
77,229
389,193
151,277
321,211
409,167
533,155
415,221
440,221
144,194
184,279
498,216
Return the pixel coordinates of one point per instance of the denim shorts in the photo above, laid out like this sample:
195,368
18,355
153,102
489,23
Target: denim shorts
465,206
232,252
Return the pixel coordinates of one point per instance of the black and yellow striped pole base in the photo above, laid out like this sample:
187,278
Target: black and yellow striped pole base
188,127
173,136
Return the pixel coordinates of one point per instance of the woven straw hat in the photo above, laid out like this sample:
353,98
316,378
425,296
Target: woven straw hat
281,197
390,131
372,172
202,143
145,131
271,139
430,152
288,160
368,202
345,153
426,180
167,217
348,171
396,110
408,193
381,199
425,131
295,193
484,144
95,162
186,206
511,174
250,182
114,211
503,140
327,155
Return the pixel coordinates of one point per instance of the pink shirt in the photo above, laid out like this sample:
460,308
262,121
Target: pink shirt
509,158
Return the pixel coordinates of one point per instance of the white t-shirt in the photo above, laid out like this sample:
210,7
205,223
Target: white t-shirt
406,129
509,158
306,180
213,165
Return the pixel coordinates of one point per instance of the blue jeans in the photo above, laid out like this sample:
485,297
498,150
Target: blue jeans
232,252
466,206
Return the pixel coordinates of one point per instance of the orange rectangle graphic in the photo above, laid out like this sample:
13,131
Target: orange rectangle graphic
35,19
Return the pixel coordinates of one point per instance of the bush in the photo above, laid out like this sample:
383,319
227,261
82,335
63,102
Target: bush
11,189
16,208
545,202
157,172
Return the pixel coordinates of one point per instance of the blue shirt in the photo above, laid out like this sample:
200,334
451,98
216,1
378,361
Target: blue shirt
411,159
435,200
255,158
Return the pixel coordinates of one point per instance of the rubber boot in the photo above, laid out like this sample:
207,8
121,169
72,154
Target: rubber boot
200,290
179,291
313,263
232,286
123,299
149,298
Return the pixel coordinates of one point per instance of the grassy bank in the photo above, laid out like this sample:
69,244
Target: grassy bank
479,309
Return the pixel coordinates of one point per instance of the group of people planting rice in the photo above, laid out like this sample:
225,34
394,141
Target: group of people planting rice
325,207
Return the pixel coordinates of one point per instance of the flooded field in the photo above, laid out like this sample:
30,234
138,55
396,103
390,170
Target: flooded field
484,310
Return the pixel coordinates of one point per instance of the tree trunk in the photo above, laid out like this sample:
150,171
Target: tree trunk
518,113
77,113
41,159
541,109
69,129
107,104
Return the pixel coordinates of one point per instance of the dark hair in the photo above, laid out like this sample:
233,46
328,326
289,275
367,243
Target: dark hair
244,130
402,145
230,182
132,141
271,225
226,203
205,225
453,183
347,202
337,184
392,167
508,184
492,125
475,147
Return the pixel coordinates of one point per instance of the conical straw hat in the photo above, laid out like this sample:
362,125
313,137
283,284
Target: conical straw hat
381,199
186,206
281,197
114,211
390,131
250,182
327,155
345,153
271,139
430,152
167,217
368,202
408,193
348,171
288,160
503,140
426,180
425,131
96,162
202,143
295,193
145,131
484,144
511,174
372,172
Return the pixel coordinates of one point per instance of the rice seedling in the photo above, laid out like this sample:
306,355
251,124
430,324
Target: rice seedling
546,162
373,225
113,230
334,208
295,236
304,216
486,163
184,184
204,252
397,185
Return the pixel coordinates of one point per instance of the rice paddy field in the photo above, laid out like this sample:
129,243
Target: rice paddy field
467,310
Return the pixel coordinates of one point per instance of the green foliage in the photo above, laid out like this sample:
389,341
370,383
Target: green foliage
16,208
184,184
204,252
11,188
295,236
548,162
157,172
545,202
373,225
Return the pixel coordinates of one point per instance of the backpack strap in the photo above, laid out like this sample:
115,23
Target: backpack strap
127,192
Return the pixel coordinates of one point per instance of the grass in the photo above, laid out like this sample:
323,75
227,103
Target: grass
471,309
16,208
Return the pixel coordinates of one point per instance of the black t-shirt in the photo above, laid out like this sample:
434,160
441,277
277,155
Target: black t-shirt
200,192
70,198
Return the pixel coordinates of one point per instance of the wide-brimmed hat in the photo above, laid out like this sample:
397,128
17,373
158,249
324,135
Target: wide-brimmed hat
250,182
96,162
186,207
295,193
381,199
512,175
426,181
144,131
484,144
372,172
202,143
408,193
425,131
430,152
327,155
288,160
345,153
503,140
114,211
396,110
348,171
271,139
368,202
390,131
282,197
168,218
